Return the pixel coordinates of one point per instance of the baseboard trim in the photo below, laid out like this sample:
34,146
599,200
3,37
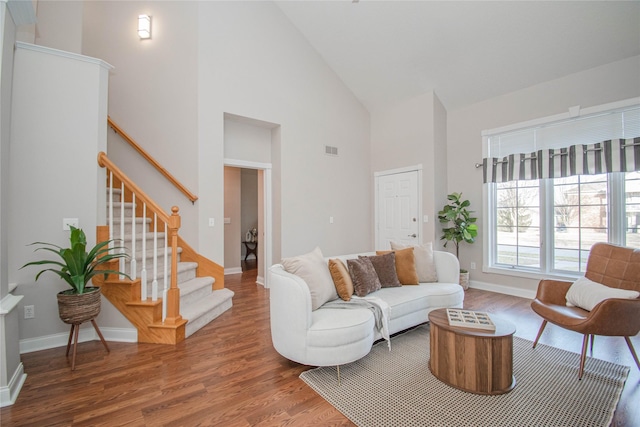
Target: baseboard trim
233,270
260,281
501,289
87,333
9,393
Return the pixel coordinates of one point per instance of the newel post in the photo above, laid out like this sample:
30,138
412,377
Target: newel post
173,294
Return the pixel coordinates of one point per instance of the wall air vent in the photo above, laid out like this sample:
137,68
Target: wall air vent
330,151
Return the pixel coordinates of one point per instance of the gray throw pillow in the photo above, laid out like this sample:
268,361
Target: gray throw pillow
364,276
385,266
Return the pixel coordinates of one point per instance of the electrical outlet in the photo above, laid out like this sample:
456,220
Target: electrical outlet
473,265
29,312
212,222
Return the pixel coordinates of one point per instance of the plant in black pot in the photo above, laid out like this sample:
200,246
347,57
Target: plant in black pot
459,226
77,267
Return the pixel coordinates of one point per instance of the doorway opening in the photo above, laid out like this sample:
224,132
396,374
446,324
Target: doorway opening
250,146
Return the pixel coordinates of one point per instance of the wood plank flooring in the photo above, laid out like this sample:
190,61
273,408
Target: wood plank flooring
228,374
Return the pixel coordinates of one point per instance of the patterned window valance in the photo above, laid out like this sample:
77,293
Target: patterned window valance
615,155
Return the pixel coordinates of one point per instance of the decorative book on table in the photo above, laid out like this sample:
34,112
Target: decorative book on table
470,319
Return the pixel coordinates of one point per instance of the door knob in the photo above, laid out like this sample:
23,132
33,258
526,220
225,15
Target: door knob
413,235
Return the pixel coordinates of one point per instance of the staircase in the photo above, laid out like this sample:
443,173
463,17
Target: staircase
198,298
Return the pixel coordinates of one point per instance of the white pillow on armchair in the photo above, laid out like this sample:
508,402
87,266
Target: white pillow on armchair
586,294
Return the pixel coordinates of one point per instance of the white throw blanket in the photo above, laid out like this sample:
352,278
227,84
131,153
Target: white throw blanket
379,307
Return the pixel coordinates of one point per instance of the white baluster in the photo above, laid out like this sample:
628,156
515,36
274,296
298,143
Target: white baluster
154,284
143,272
121,241
166,274
110,215
134,264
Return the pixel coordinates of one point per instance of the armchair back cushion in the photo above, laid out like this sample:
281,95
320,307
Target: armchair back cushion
614,266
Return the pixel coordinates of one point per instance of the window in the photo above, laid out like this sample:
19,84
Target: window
518,223
554,189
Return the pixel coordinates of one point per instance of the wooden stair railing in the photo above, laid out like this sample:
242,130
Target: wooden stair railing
170,302
192,197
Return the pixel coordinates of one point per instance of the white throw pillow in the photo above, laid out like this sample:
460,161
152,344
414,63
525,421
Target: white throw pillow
313,269
425,265
586,294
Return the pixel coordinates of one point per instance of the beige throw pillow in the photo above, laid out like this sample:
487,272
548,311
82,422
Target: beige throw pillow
312,268
425,265
341,278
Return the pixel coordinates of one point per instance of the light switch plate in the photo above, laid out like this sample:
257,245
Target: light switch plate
67,222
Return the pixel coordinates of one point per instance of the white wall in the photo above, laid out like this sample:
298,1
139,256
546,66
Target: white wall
601,85
152,95
410,133
58,127
254,63
244,58
10,365
250,142
60,25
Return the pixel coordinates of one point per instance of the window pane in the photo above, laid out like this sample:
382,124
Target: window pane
632,209
518,223
581,219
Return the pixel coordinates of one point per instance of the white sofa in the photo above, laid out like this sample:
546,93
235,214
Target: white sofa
334,336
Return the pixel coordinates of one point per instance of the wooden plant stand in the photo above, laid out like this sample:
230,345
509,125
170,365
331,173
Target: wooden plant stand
75,330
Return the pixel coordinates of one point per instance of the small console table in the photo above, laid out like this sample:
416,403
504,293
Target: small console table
252,248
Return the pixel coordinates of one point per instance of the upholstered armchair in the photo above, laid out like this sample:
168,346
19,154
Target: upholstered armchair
612,266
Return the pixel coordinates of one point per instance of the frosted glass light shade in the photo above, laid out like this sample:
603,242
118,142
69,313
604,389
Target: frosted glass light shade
144,26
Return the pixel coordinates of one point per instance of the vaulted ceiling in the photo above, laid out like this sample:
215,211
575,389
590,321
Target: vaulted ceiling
387,51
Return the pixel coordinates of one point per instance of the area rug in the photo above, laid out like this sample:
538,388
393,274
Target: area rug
396,388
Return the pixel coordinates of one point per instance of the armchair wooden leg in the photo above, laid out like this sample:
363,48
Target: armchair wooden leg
633,351
338,369
583,356
544,324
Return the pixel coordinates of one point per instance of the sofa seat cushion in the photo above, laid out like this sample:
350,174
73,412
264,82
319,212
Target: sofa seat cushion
409,299
335,327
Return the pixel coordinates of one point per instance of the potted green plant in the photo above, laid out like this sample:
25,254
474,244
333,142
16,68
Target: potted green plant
459,226
76,267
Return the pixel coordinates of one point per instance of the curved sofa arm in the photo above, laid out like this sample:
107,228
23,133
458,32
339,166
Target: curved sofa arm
447,267
290,309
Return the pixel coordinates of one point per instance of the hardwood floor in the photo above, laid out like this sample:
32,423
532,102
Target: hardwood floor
228,374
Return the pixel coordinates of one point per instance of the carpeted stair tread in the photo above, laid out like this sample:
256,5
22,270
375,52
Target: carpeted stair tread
206,309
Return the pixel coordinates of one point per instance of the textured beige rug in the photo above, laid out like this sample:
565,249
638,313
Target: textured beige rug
397,389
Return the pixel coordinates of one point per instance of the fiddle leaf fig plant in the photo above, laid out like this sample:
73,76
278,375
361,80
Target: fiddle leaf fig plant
76,265
458,224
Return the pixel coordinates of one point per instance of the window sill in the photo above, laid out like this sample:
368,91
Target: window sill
531,274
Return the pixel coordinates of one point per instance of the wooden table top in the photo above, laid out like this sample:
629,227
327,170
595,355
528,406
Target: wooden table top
503,328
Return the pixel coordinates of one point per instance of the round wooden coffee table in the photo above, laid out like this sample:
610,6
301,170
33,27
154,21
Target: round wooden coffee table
473,360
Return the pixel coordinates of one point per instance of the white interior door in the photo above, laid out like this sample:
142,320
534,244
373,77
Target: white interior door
397,209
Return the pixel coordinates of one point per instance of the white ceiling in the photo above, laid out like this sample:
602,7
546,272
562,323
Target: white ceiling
466,52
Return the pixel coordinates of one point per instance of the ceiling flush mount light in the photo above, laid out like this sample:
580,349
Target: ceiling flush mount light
144,27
